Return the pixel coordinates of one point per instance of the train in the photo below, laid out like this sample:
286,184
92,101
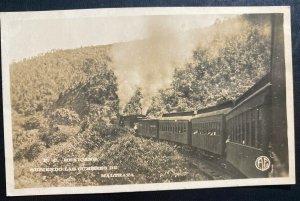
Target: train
249,132
237,130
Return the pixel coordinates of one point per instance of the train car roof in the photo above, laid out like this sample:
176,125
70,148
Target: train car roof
133,115
148,119
262,83
175,114
227,104
179,118
213,113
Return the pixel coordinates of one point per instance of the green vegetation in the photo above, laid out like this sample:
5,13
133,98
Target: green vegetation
221,69
134,106
65,105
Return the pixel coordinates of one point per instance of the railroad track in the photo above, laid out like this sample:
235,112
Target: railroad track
211,166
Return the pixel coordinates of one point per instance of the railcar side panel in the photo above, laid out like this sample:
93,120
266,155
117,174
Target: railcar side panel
240,156
175,131
148,128
248,128
208,134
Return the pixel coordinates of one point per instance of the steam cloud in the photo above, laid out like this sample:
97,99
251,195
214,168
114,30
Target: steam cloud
150,63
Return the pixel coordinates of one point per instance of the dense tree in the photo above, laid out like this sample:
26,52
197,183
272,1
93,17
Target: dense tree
134,106
95,100
220,71
37,82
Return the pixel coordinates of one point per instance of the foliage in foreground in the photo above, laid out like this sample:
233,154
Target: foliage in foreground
143,160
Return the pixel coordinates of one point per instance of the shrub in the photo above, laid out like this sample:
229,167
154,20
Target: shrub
96,135
64,116
28,145
54,138
147,160
31,123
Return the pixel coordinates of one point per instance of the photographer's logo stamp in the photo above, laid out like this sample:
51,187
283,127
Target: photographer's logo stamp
262,163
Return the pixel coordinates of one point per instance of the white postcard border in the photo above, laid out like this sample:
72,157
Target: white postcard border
7,17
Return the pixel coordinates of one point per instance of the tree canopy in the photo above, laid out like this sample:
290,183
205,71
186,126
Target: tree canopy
134,106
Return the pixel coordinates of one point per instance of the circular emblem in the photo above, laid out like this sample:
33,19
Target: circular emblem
262,163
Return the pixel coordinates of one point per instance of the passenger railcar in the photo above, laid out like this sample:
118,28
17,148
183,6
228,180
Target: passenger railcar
249,128
148,128
208,128
175,129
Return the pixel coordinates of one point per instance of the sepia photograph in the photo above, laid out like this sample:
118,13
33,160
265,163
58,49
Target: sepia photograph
140,99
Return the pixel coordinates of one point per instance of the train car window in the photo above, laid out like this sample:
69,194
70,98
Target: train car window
199,128
259,128
239,135
253,128
248,123
233,129
215,128
206,128
173,127
236,129
244,138
181,128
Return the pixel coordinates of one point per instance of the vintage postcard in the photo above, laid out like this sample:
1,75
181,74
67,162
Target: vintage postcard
144,99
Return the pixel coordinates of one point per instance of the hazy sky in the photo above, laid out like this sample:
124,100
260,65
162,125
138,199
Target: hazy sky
147,64
30,37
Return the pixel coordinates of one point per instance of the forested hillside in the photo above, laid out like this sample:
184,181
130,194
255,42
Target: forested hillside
38,81
221,69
